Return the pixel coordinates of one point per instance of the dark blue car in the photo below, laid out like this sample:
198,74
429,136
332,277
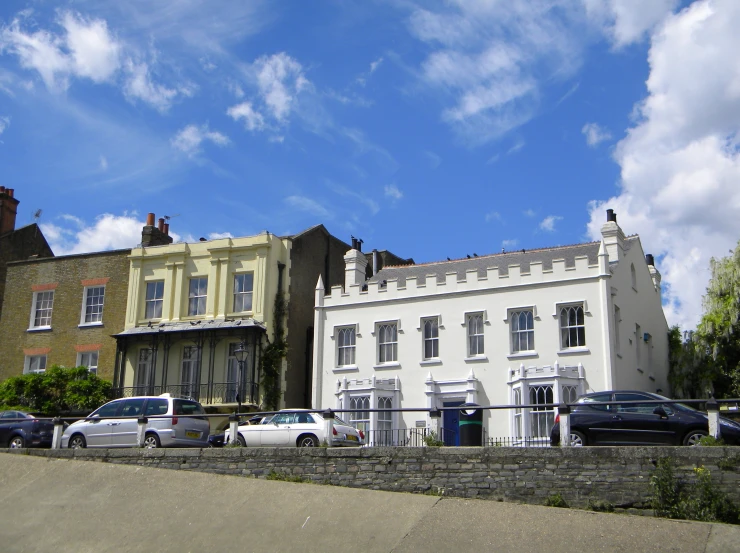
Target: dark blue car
19,429
592,422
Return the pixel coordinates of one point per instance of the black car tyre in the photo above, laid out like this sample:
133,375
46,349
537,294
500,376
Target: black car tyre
77,442
308,440
151,441
242,442
17,442
577,439
694,437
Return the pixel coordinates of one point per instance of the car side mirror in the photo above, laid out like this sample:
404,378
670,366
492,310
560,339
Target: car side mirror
660,411
93,418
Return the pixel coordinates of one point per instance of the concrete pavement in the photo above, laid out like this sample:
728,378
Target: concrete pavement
78,506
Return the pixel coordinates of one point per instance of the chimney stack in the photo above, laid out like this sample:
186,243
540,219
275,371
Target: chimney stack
355,265
155,236
654,273
613,237
8,210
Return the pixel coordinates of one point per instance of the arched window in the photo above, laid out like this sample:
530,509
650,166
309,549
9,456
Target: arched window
634,276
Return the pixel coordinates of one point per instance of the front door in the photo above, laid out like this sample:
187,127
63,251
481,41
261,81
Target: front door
451,424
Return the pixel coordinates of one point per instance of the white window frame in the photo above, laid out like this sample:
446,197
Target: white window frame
83,312
200,297
189,372
482,335
433,340
344,349
91,367
243,294
31,360
391,345
154,300
512,333
543,418
567,307
35,309
144,371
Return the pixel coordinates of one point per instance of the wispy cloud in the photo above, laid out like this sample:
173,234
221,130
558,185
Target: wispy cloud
190,138
518,145
103,163
493,216
371,204
548,223
4,123
529,212
301,203
392,191
434,159
595,134
363,77
509,244
568,94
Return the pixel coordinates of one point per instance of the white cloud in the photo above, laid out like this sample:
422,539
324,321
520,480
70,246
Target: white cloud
627,21
108,232
308,205
392,191
279,79
529,213
4,123
509,244
94,51
375,64
493,216
595,134
434,159
103,163
217,235
548,223
516,147
253,120
189,139
371,204
139,86
680,162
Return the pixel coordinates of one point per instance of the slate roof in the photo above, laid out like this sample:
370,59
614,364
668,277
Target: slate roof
209,325
523,258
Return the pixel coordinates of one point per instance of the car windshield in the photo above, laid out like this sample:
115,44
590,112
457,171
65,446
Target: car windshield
679,406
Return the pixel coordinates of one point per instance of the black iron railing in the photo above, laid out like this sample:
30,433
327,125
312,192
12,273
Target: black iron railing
213,393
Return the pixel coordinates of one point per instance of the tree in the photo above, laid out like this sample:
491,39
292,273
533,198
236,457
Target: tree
719,330
57,390
688,372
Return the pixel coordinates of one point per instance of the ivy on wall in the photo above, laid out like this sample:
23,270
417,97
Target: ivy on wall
272,357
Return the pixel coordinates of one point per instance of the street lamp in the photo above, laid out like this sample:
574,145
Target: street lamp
240,353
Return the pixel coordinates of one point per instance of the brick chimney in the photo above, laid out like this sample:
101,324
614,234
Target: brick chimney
8,210
613,237
155,236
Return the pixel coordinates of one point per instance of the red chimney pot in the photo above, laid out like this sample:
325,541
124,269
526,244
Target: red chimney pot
160,224
150,219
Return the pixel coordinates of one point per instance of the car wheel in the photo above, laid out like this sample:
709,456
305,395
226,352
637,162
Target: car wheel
151,441
577,439
241,441
77,442
309,440
694,437
17,442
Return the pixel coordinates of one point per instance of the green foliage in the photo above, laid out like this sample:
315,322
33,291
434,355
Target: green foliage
689,373
272,357
431,440
600,506
282,477
556,500
711,441
56,391
700,501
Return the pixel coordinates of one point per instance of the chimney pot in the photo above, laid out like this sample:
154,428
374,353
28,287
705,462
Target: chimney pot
160,224
10,191
611,216
150,219
2,189
167,229
649,259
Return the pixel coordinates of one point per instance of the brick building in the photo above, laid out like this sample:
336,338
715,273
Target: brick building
17,244
62,311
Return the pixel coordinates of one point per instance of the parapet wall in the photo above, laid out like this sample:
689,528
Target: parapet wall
620,476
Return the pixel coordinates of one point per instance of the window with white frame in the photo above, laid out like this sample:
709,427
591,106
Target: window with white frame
189,374
346,340
431,338
541,419
359,416
522,331
243,285
34,364
385,422
88,359
387,342
197,296
572,327
568,394
144,371
474,323
518,413
43,304
92,304
154,299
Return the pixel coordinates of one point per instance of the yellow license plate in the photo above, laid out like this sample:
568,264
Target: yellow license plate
191,434
352,438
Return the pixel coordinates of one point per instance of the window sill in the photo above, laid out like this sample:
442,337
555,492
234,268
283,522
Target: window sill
573,351
346,369
477,359
427,362
522,355
382,366
86,325
39,329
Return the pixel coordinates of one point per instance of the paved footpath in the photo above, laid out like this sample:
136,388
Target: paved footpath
55,505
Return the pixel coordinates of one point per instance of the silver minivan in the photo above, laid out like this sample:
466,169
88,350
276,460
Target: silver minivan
108,427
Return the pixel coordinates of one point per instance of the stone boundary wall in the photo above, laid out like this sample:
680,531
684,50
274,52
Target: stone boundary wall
618,475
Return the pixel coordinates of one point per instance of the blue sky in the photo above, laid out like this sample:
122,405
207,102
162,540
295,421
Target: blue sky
432,129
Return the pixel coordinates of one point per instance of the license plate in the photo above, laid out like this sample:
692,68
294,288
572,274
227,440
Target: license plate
352,438
191,434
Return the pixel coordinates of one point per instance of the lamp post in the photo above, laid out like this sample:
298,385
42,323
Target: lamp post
240,353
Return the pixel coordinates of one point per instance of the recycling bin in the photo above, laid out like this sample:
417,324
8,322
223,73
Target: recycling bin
471,425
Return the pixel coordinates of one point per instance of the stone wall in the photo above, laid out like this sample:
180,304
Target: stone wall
620,476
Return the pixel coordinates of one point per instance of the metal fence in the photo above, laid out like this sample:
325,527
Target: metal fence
209,394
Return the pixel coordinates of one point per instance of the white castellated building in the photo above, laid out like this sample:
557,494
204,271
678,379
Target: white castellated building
522,327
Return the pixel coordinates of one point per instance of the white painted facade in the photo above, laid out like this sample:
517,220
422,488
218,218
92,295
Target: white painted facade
374,343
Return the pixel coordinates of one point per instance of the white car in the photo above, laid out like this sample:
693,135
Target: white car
296,428
116,424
